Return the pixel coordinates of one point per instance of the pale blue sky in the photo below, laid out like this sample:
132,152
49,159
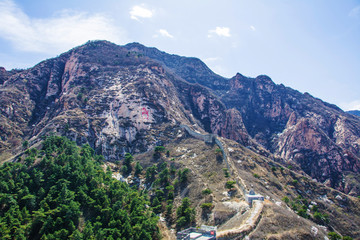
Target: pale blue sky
311,46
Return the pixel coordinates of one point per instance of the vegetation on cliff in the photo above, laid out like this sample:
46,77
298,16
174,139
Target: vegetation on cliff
62,192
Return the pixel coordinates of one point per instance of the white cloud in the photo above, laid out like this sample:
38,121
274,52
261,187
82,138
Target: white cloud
252,28
165,33
220,31
140,12
354,105
56,34
355,12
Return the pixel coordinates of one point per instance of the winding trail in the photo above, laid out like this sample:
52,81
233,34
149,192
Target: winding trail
247,225
242,223
213,138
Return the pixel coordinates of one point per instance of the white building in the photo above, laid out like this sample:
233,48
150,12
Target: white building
252,196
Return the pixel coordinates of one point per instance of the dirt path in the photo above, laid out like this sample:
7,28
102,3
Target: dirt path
247,226
242,223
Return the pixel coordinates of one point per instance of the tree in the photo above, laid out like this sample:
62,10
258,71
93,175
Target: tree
157,151
164,176
230,184
206,206
138,169
25,144
321,218
156,204
218,154
226,172
76,185
206,191
150,174
286,199
184,214
334,236
183,175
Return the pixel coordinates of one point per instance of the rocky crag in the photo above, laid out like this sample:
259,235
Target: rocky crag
316,137
117,98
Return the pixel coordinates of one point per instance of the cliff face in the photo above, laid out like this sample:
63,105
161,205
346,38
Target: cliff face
104,95
118,98
320,138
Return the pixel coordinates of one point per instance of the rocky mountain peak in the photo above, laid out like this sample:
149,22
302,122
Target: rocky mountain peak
117,98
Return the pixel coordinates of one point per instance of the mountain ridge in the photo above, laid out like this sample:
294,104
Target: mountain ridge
121,99
252,111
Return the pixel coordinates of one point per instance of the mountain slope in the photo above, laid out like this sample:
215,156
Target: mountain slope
132,98
105,95
276,117
354,112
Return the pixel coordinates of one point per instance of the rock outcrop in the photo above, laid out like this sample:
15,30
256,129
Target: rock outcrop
104,95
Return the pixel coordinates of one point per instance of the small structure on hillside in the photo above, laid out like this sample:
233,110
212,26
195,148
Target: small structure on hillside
251,196
203,233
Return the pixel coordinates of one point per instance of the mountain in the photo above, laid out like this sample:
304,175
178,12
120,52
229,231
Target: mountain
354,112
297,128
133,98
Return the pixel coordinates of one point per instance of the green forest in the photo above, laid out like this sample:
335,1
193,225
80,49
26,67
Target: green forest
62,192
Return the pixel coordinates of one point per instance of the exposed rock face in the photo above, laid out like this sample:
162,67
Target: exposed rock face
319,137
116,98
193,70
105,95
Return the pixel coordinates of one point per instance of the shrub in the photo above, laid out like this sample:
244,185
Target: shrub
302,213
206,206
206,191
286,200
226,172
124,170
256,175
321,218
230,184
334,236
25,144
80,96
315,208
159,149
183,175
138,169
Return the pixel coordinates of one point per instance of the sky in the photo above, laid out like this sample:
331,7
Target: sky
311,46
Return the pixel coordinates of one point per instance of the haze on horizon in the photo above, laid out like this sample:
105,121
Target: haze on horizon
311,46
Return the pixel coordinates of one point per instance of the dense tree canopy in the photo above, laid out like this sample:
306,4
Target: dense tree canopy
62,192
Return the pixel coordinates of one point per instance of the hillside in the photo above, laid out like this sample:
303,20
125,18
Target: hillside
294,149
62,192
354,112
